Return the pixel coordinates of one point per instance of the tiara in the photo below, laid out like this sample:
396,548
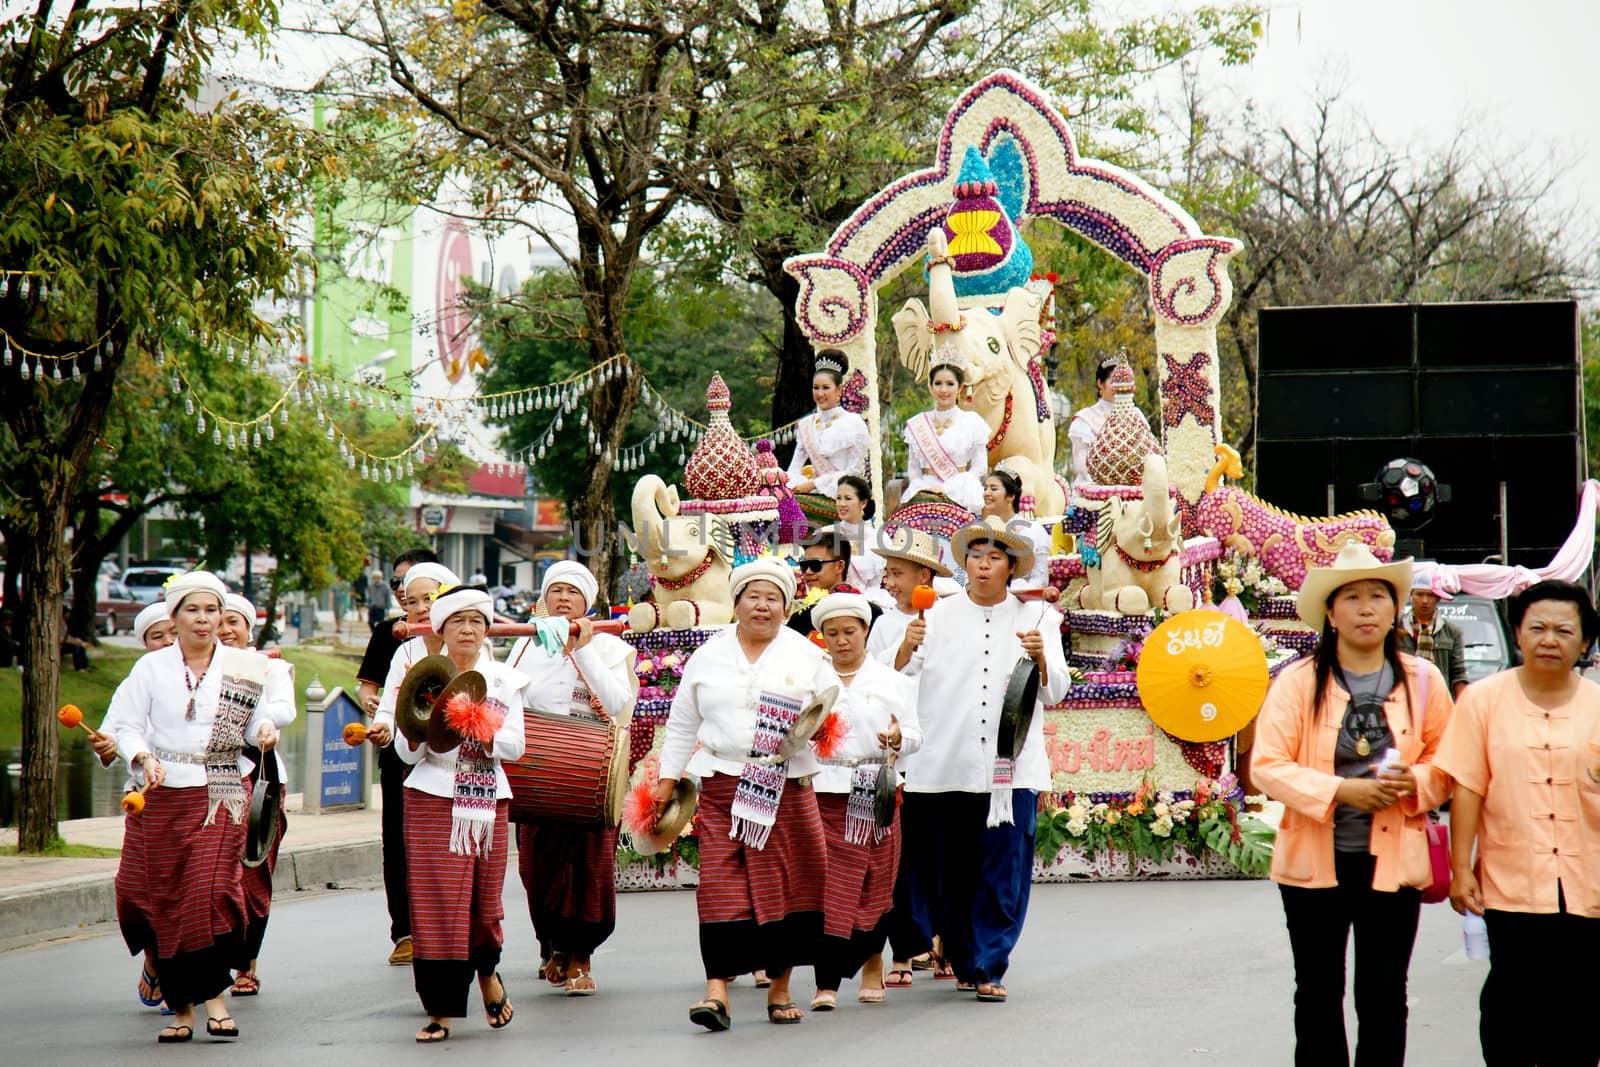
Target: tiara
948,353
1111,361
829,363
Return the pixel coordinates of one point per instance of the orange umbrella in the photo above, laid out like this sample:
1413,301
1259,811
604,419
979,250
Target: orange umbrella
1202,675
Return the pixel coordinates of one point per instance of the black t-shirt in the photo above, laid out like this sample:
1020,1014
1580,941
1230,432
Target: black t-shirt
380,653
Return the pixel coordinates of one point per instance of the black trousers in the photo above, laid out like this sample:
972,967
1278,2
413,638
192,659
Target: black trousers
1535,1010
391,782
1319,922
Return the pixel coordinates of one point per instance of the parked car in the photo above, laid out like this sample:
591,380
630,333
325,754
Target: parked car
117,611
145,583
1485,640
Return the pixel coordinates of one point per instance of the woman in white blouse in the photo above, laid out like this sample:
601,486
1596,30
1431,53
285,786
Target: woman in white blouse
830,441
457,833
417,589
238,620
762,856
879,709
856,510
570,872
947,449
181,719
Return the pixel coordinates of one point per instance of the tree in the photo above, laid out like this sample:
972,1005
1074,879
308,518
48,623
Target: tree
685,327
133,212
1331,214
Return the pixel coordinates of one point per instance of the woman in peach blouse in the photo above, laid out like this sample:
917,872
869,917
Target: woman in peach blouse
1346,742
1531,802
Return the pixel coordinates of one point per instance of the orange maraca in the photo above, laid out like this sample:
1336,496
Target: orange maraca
923,597
355,733
133,801
71,716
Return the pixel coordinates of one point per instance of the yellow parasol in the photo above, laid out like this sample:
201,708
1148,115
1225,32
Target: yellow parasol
1202,675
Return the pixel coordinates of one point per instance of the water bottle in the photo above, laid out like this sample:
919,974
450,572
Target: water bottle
1475,932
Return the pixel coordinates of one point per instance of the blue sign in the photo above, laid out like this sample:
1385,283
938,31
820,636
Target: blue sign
341,763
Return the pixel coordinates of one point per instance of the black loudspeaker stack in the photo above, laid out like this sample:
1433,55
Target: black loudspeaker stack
1482,393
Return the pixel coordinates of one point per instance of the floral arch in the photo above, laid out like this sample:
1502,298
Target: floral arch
1027,144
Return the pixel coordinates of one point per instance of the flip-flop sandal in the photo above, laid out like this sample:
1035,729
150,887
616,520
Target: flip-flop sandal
824,1001
154,982
775,1014
996,994
965,987
581,984
168,1009
712,1018
761,980
247,984
944,971
179,1035
214,1028
497,1008
435,1032
870,996
923,962
893,981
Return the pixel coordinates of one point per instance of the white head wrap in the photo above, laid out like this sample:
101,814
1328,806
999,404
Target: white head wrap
853,605
152,614
766,569
574,574
462,598
239,604
187,584
437,571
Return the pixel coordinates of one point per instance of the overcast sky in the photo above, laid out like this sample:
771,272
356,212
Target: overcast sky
1418,69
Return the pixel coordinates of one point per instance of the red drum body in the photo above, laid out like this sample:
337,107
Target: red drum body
575,771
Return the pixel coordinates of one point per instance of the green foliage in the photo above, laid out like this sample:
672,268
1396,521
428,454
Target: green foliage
677,331
1154,826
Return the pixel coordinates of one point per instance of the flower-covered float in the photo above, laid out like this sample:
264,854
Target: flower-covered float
1157,532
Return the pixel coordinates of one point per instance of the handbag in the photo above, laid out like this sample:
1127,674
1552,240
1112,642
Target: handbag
1438,835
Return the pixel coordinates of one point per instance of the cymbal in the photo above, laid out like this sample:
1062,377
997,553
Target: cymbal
418,697
470,683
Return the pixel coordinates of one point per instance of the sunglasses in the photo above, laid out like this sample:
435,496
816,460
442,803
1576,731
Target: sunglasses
814,566
394,583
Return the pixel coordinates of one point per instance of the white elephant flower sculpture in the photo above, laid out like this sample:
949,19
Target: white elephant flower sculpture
1141,551
689,558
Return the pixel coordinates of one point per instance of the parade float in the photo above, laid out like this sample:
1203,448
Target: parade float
1143,748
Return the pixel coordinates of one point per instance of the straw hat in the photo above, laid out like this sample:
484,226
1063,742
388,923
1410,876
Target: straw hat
913,546
1354,563
993,528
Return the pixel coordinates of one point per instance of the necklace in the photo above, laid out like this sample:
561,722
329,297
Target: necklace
826,418
942,420
194,685
847,674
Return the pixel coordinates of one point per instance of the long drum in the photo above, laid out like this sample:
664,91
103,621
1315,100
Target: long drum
574,771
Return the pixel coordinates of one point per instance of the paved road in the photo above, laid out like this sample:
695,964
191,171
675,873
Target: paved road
1110,974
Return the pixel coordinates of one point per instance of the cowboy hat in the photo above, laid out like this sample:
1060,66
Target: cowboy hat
995,529
913,546
1355,563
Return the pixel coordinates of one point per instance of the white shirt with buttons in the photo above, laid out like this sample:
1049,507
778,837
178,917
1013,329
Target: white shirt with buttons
963,667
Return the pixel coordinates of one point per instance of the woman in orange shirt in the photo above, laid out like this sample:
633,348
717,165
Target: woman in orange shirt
1346,742
1531,802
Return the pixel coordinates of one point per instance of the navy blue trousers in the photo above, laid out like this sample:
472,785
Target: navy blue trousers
965,880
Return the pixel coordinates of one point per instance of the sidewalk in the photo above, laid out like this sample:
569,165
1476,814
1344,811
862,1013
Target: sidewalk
46,897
